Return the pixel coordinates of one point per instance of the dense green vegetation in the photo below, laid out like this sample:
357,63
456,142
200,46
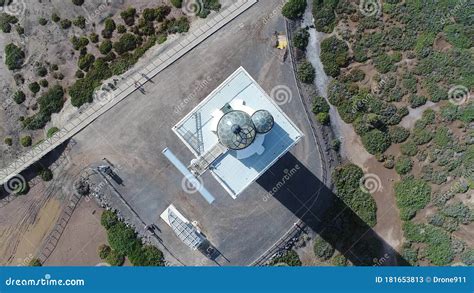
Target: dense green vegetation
347,180
439,249
289,257
124,242
14,56
412,195
50,102
123,53
306,72
294,9
26,141
334,55
6,21
409,31
322,249
301,39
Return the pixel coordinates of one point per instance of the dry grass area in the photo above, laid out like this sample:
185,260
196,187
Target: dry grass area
49,46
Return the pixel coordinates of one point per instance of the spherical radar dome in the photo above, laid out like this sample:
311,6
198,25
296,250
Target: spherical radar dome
263,121
236,130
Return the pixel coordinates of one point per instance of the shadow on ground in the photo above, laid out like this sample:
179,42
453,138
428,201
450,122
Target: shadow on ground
49,161
301,192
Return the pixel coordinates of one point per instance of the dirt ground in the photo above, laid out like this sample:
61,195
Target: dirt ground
80,240
25,223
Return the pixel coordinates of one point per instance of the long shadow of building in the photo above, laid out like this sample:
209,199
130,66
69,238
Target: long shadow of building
301,192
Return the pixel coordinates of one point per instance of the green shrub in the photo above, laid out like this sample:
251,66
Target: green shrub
320,105
306,72
376,141
347,180
301,39
108,219
115,258
51,132
55,17
442,137
417,101
468,257
128,16
42,21
334,55
294,9
422,136
44,83
289,257
339,260
8,141
458,36
324,17
121,29
79,73
6,21
409,148
322,249
65,23
19,97
86,61
177,3
26,141
398,134
46,174
14,56
105,47
104,251
173,26
109,28
50,102
127,42
34,87
412,195
79,43
80,22
146,255
384,63
323,118
403,165
336,144
122,238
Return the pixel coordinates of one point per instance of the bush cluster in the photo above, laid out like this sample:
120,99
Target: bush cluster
412,195
123,242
